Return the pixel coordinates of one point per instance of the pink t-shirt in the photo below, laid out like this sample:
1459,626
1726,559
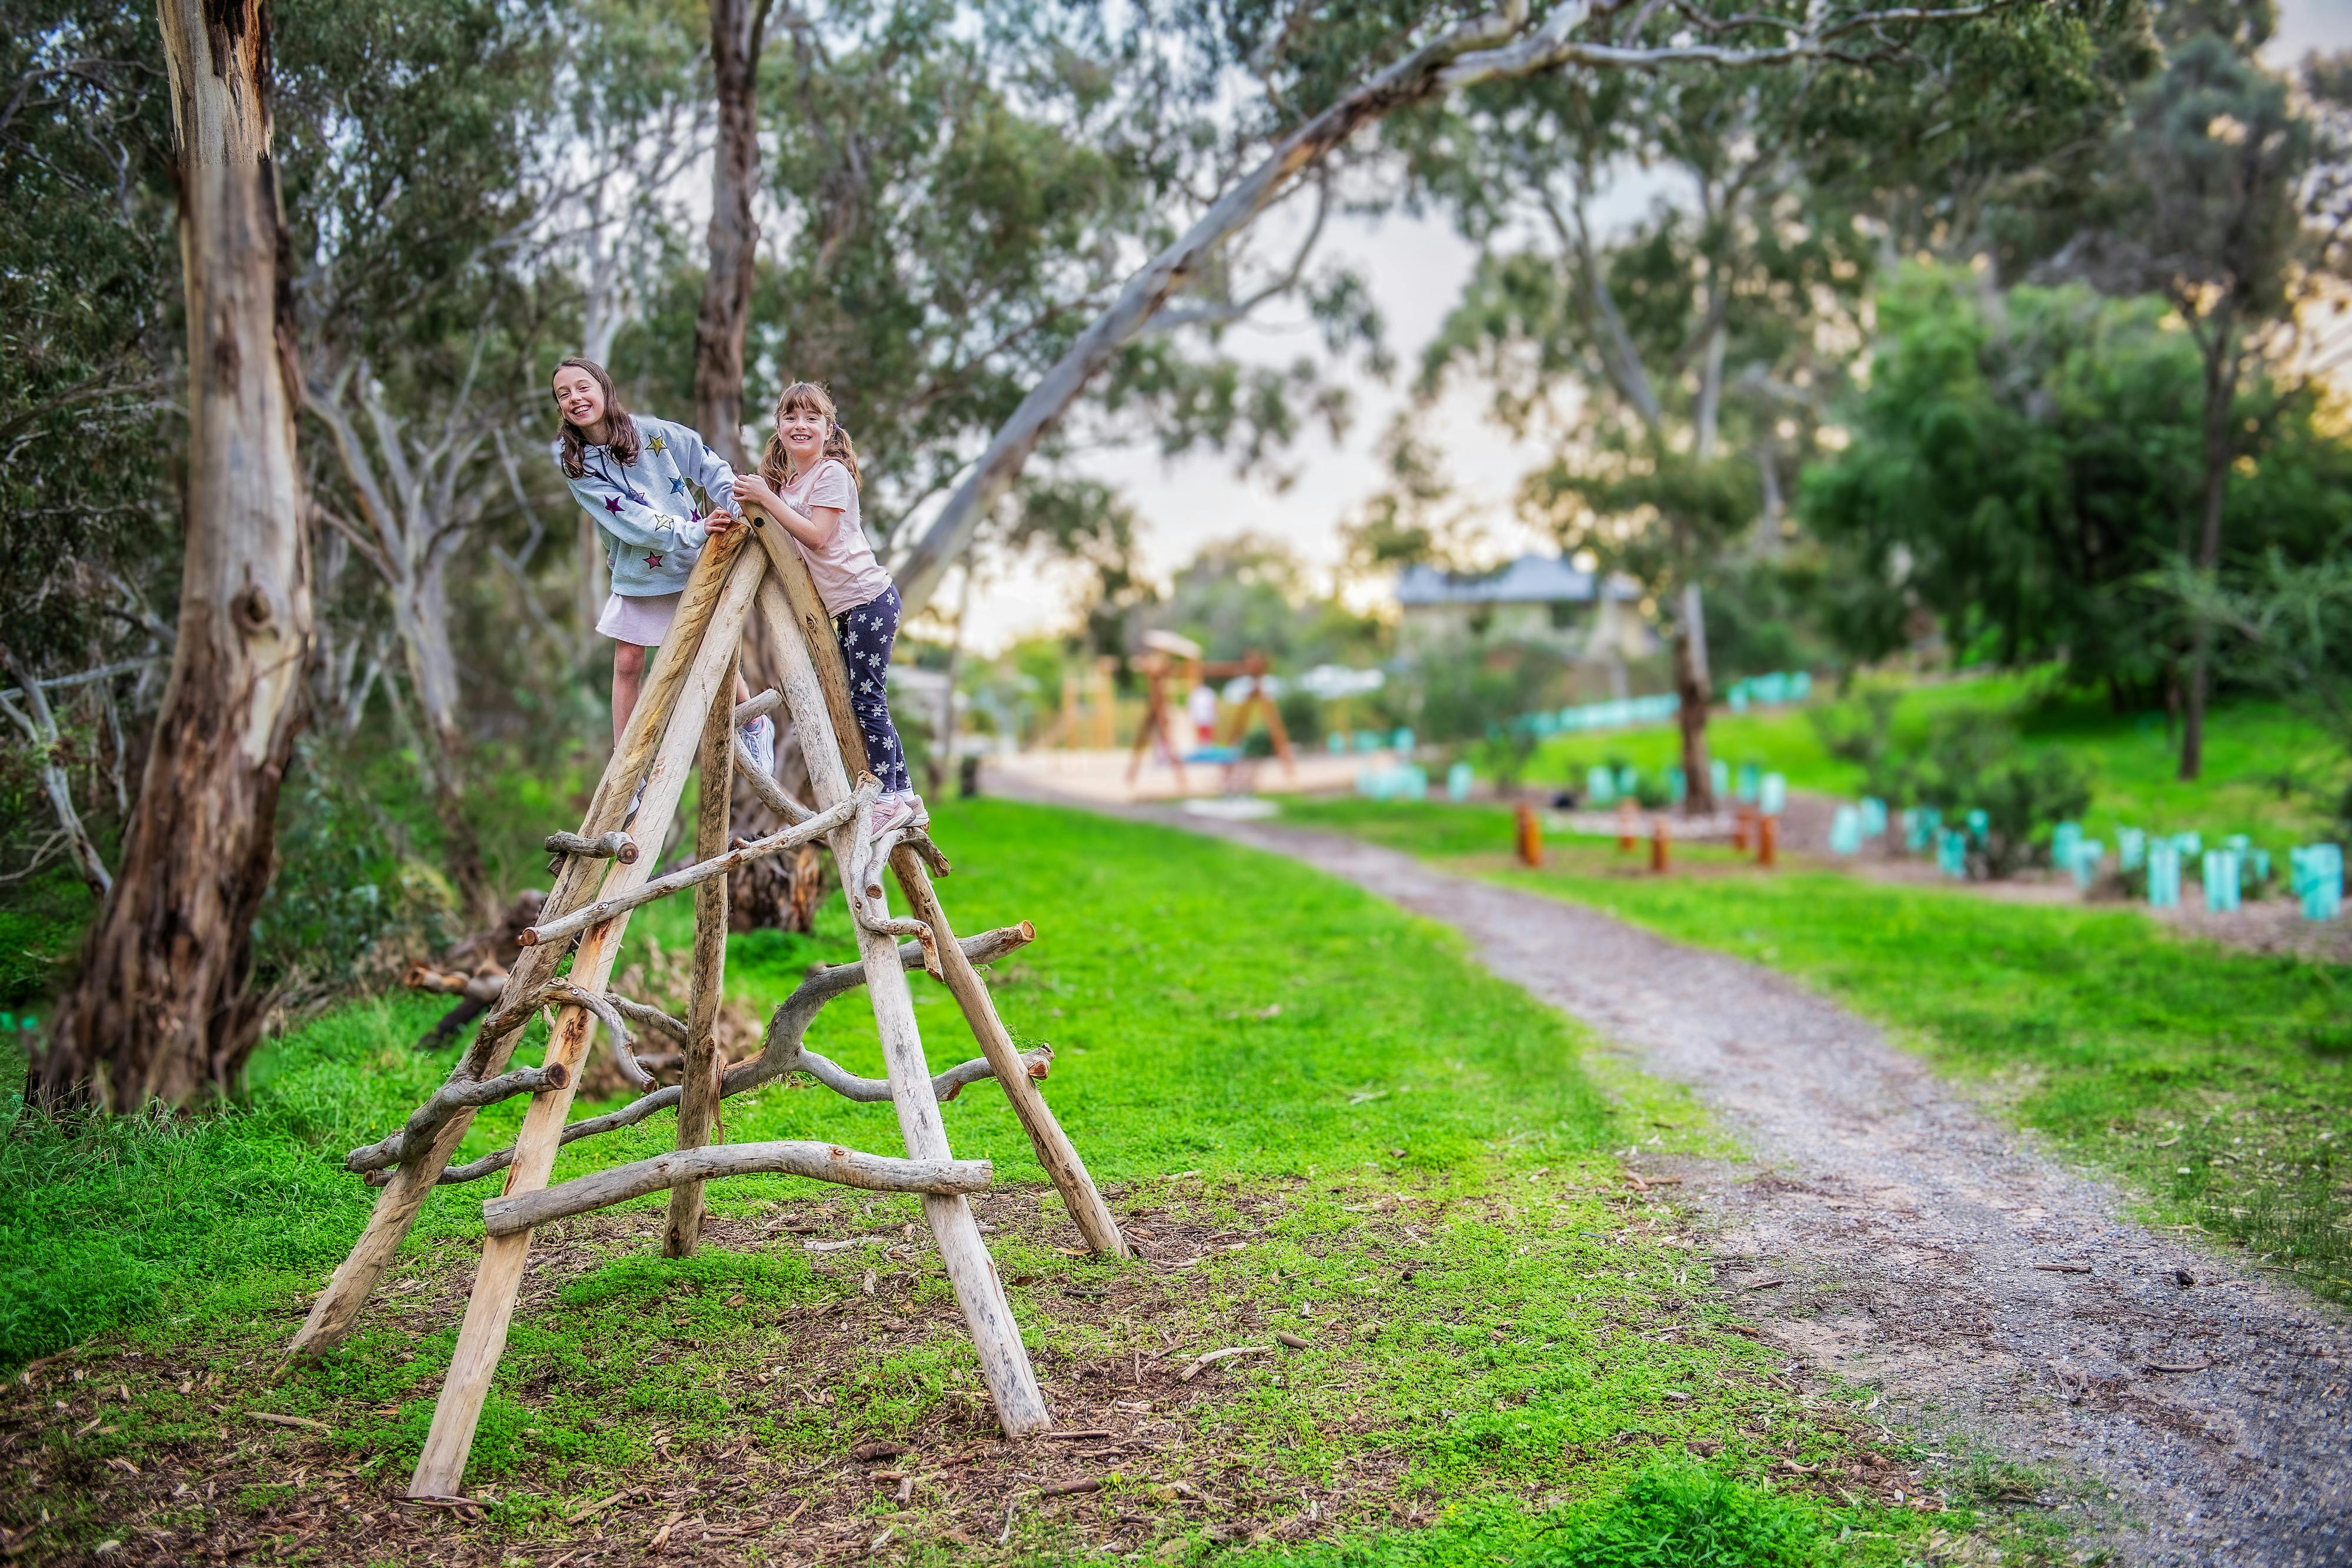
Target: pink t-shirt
846,571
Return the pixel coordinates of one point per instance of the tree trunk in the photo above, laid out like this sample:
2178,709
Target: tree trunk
2220,396
1691,686
734,238
421,612
162,1009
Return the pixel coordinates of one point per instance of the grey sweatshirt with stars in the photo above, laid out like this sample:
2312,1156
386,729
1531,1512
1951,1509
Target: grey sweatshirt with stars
652,523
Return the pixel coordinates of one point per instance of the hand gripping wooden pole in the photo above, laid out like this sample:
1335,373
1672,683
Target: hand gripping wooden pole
698,1105
1020,1407
338,1306
441,1469
1055,1150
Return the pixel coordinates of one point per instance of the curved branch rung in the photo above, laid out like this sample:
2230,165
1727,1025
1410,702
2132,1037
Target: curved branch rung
453,1096
946,1085
781,1055
677,881
819,1162
601,1006
615,845
763,784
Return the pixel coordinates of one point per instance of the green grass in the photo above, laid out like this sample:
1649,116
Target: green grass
2267,771
2217,1083
1507,1347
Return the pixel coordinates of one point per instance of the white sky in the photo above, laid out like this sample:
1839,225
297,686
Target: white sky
1415,270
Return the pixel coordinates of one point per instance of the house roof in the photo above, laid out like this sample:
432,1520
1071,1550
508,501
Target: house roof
1530,580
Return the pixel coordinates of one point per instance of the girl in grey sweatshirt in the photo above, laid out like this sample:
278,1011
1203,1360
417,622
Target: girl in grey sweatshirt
631,474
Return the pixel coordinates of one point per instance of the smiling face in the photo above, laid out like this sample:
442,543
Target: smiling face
804,428
580,401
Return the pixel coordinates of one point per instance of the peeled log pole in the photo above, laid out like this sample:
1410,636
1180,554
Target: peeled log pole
698,1086
1021,1406
441,1468
682,1167
701,871
1055,1150
338,1306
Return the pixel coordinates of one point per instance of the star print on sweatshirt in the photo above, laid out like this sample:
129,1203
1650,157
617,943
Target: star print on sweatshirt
651,551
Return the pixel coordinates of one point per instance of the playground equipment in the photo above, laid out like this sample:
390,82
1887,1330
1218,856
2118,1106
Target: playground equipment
1165,654
684,719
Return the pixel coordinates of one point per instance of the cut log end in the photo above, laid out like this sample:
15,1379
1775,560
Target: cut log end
528,937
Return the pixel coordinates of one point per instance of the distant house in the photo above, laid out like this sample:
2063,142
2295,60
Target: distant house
1535,598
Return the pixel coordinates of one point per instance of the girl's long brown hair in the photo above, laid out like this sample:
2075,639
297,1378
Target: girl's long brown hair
618,422
813,399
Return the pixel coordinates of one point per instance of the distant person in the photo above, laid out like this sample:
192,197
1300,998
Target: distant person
1201,707
630,472
808,482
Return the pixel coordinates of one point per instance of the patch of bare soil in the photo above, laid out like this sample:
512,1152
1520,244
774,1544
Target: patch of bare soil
1891,1231
1139,1456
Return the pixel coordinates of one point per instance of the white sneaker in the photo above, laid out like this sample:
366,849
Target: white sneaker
892,812
760,736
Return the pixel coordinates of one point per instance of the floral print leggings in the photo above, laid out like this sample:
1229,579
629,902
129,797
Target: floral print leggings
866,634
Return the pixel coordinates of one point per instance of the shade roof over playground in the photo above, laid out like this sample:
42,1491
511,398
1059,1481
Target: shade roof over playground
1530,580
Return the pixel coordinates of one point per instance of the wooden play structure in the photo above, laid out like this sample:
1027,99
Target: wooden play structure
1166,654
685,719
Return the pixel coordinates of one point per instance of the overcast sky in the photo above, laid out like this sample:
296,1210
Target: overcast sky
1415,270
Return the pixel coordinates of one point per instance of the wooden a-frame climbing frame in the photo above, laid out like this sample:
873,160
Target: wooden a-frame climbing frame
684,717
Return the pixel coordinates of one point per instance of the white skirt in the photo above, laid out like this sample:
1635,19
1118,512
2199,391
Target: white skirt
642,621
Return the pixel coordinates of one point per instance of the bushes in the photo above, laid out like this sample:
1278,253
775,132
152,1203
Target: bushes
1971,761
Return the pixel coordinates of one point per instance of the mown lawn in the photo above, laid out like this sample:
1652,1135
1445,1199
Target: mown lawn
1321,1120
2266,772
2218,1085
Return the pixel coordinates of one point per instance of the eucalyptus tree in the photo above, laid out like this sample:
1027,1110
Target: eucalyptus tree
161,1011
1680,368
2224,199
1283,91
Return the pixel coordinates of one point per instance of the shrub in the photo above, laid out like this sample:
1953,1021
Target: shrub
1681,1515
1972,761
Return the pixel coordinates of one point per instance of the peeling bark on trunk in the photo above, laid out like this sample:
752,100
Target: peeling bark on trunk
163,1010
734,238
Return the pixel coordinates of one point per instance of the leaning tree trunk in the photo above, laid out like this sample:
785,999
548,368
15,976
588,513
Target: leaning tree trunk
161,1011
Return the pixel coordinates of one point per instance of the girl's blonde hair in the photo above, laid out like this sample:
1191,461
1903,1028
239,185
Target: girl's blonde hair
810,398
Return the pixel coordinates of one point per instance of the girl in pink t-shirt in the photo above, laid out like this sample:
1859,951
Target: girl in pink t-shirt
808,482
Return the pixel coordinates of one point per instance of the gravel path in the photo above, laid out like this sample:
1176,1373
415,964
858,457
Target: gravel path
1991,1294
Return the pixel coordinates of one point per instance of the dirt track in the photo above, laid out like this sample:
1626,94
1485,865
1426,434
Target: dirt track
1996,1298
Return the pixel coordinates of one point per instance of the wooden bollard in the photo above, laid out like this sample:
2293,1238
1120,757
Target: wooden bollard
1743,829
1529,835
1768,841
1629,826
1659,840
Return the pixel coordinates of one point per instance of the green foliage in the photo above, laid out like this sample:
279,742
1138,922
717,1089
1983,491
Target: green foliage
1686,1516
1972,762
88,328
2021,461
347,906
